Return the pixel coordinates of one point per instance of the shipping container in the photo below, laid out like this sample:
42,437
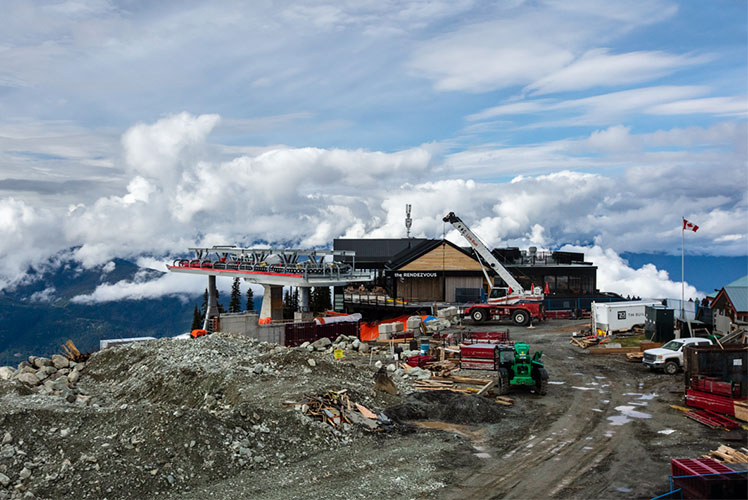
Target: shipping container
619,316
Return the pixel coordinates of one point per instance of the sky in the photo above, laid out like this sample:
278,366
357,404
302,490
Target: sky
137,129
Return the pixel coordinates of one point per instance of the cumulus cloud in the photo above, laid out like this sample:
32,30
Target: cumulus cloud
615,275
306,197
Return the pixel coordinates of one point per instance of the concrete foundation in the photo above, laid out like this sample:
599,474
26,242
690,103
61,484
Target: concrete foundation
272,303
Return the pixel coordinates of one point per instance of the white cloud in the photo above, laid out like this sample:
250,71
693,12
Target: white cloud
46,295
726,106
599,67
615,275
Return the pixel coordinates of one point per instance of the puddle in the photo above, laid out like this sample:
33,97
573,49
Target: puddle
606,401
600,377
623,489
667,432
482,455
578,373
592,383
627,413
556,382
588,448
597,410
609,434
570,357
583,388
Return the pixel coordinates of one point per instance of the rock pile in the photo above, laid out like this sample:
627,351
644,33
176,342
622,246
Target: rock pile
57,376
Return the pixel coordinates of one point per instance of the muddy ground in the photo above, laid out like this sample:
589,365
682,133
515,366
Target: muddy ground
205,418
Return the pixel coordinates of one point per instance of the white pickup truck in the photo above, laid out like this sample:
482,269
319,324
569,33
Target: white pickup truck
670,356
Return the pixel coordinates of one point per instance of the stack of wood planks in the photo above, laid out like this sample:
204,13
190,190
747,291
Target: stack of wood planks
450,384
729,455
635,357
330,408
585,342
444,368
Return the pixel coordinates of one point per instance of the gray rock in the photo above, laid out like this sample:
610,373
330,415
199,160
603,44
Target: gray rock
24,474
4,480
304,345
311,362
310,348
23,364
259,368
341,338
7,438
41,362
45,372
28,378
378,365
73,377
322,343
364,347
356,344
26,369
6,372
7,451
245,452
391,367
60,361
170,479
258,459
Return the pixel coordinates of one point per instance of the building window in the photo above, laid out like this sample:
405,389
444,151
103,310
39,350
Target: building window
562,284
551,282
575,284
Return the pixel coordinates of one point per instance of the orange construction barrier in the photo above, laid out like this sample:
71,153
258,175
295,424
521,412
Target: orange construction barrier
370,330
265,321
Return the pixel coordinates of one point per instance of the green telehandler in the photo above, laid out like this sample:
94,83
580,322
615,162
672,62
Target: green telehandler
516,367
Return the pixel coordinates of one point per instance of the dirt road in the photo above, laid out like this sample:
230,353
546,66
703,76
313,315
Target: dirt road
605,430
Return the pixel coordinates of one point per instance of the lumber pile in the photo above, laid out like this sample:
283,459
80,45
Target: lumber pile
73,354
329,408
585,342
450,383
444,368
635,357
729,455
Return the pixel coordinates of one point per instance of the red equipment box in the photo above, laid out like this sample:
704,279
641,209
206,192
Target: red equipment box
708,479
420,361
486,337
708,401
478,357
714,386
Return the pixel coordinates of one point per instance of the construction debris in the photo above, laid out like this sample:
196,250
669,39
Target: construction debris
729,455
72,352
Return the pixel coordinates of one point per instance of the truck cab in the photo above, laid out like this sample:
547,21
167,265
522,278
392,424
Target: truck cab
669,357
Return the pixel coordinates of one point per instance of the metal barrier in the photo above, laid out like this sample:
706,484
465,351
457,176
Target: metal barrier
298,333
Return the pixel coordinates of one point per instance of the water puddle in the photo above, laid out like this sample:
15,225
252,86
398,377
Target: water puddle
627,413
623,489
482,455
556,382
583,388
667,432
597,410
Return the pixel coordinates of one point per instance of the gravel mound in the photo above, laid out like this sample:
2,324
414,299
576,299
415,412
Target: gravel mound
449,407
183,418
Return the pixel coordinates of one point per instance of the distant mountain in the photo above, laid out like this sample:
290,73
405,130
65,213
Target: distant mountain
38,316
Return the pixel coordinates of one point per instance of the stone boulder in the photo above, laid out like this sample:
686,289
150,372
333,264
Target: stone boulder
28,378
60,362
6,372
42,362
322,344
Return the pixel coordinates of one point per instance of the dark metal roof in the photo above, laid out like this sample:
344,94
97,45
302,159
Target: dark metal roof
375,250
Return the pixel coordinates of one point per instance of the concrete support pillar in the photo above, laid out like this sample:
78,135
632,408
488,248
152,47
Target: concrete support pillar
272,303
212,301
304,294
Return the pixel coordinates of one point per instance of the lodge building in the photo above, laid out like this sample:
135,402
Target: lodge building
433,270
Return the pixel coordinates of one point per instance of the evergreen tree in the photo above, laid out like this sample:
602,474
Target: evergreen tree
235,304
295,299
323,298
197,319
221,309
250,300
204,306
287,305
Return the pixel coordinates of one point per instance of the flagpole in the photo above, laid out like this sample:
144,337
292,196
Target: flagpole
682,269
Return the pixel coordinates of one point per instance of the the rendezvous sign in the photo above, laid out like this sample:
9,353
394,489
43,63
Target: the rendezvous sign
416,275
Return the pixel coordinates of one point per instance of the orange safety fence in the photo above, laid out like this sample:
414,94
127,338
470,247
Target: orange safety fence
370,330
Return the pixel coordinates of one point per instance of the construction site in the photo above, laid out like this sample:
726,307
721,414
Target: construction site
440,372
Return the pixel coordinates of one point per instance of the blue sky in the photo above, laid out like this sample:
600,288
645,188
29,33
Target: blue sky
136,129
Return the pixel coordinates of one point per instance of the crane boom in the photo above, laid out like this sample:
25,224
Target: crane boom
516,291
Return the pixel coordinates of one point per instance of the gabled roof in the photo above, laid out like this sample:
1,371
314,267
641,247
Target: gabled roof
737,294
742,282
410,254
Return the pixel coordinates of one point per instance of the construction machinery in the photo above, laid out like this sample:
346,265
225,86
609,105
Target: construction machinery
516,368
510,302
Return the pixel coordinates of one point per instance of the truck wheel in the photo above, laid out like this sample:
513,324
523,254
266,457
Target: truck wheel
541,381
520,317
503,381
671,367
478,315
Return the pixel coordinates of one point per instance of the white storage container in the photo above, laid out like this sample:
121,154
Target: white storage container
608,317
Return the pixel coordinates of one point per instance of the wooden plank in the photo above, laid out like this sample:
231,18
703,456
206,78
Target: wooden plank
485,387
612,350
467,380
366,412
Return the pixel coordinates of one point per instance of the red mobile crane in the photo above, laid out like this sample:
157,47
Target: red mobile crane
512,301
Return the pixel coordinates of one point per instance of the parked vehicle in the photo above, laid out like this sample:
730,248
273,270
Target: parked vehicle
669,357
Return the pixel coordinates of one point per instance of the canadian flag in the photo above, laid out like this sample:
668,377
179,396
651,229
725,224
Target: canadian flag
690,225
